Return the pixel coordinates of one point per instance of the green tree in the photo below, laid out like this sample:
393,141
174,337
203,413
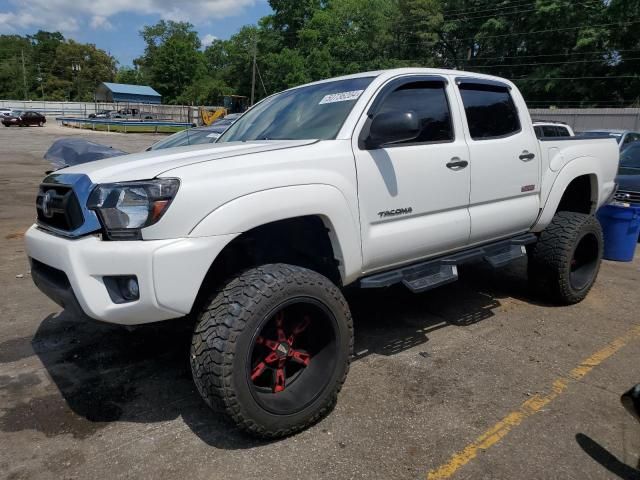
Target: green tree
48,67
172,57
129,75
81,68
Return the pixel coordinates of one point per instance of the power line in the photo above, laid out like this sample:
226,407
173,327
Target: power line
499,12
507,65
261,81
612,77
612,51
522,3
460,11
479,36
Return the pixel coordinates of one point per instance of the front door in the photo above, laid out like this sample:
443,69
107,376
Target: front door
413,196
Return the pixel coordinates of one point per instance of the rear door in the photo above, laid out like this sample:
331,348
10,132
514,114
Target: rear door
504,159
413,196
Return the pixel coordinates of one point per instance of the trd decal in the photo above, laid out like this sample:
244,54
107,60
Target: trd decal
528,188
396,212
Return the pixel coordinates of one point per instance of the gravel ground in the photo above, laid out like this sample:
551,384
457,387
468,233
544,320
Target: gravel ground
474,380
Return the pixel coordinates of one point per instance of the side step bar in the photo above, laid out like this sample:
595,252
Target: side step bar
424,276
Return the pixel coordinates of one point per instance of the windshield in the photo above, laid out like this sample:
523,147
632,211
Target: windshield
312,112
185,137
630,161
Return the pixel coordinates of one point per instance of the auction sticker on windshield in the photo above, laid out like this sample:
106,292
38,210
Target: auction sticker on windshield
341,97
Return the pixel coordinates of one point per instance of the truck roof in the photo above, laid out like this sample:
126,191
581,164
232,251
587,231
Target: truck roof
411,70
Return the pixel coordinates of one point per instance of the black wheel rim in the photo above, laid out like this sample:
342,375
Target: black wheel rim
584,262
293,356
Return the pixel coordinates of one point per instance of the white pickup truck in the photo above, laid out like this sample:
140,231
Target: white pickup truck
366,180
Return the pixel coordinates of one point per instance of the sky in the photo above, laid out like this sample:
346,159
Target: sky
113,25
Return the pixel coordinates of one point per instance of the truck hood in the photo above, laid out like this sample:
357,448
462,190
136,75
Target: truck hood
147,165
628,182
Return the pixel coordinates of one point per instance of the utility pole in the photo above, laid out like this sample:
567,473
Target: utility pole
24,76
253,79
75,70
40,79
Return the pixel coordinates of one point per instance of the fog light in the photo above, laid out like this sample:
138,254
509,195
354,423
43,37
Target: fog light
131,291
122,289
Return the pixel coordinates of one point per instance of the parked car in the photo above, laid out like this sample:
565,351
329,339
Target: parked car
190,136
101,114
361,181
133,113
623,137
197,135
24,119
126,113
629,174
552,129
6,112
219,127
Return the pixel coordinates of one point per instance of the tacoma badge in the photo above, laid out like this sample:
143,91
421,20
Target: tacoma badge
397,211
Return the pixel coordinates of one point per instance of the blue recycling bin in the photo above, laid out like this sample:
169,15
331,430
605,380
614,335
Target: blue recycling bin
620,227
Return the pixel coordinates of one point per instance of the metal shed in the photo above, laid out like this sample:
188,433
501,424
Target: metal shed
123,93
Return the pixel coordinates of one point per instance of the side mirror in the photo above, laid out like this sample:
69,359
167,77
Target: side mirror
392,127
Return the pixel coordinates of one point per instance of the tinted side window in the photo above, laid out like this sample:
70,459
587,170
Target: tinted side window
429,101
549,132
562,132
490,111
538,131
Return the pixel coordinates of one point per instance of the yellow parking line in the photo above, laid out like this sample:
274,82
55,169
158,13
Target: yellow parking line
528,408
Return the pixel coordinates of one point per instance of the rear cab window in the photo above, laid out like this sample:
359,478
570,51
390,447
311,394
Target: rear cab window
489,109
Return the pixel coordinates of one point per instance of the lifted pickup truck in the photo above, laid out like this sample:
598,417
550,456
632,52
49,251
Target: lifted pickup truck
366,180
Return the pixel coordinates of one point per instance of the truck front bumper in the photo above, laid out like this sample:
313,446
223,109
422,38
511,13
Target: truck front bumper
169,273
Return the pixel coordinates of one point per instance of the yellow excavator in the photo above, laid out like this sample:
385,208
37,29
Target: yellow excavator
231,104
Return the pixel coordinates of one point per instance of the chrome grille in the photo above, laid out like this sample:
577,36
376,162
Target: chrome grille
58,207
627,196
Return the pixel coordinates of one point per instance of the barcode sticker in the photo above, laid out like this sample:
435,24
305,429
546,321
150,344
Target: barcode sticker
341,97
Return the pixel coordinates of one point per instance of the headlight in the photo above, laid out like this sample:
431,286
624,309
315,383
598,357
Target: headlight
124,208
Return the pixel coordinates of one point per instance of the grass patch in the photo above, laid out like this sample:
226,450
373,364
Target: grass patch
133,129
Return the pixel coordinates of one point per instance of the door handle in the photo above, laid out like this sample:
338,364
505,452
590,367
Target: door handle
526,156
456,164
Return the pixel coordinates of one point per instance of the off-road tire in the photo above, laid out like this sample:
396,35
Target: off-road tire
224,333
551,258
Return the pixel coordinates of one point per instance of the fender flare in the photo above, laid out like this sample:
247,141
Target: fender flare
575,168
266,206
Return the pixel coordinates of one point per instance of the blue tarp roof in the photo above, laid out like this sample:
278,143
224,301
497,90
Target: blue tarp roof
131,89
122,92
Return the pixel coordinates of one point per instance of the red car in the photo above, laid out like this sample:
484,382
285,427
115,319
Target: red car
25,119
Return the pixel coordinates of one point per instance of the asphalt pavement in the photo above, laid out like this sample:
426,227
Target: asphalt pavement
476,380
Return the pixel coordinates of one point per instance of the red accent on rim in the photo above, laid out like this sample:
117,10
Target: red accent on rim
281,351
300,357
258,370
271,358
298,329
279,381
280,327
